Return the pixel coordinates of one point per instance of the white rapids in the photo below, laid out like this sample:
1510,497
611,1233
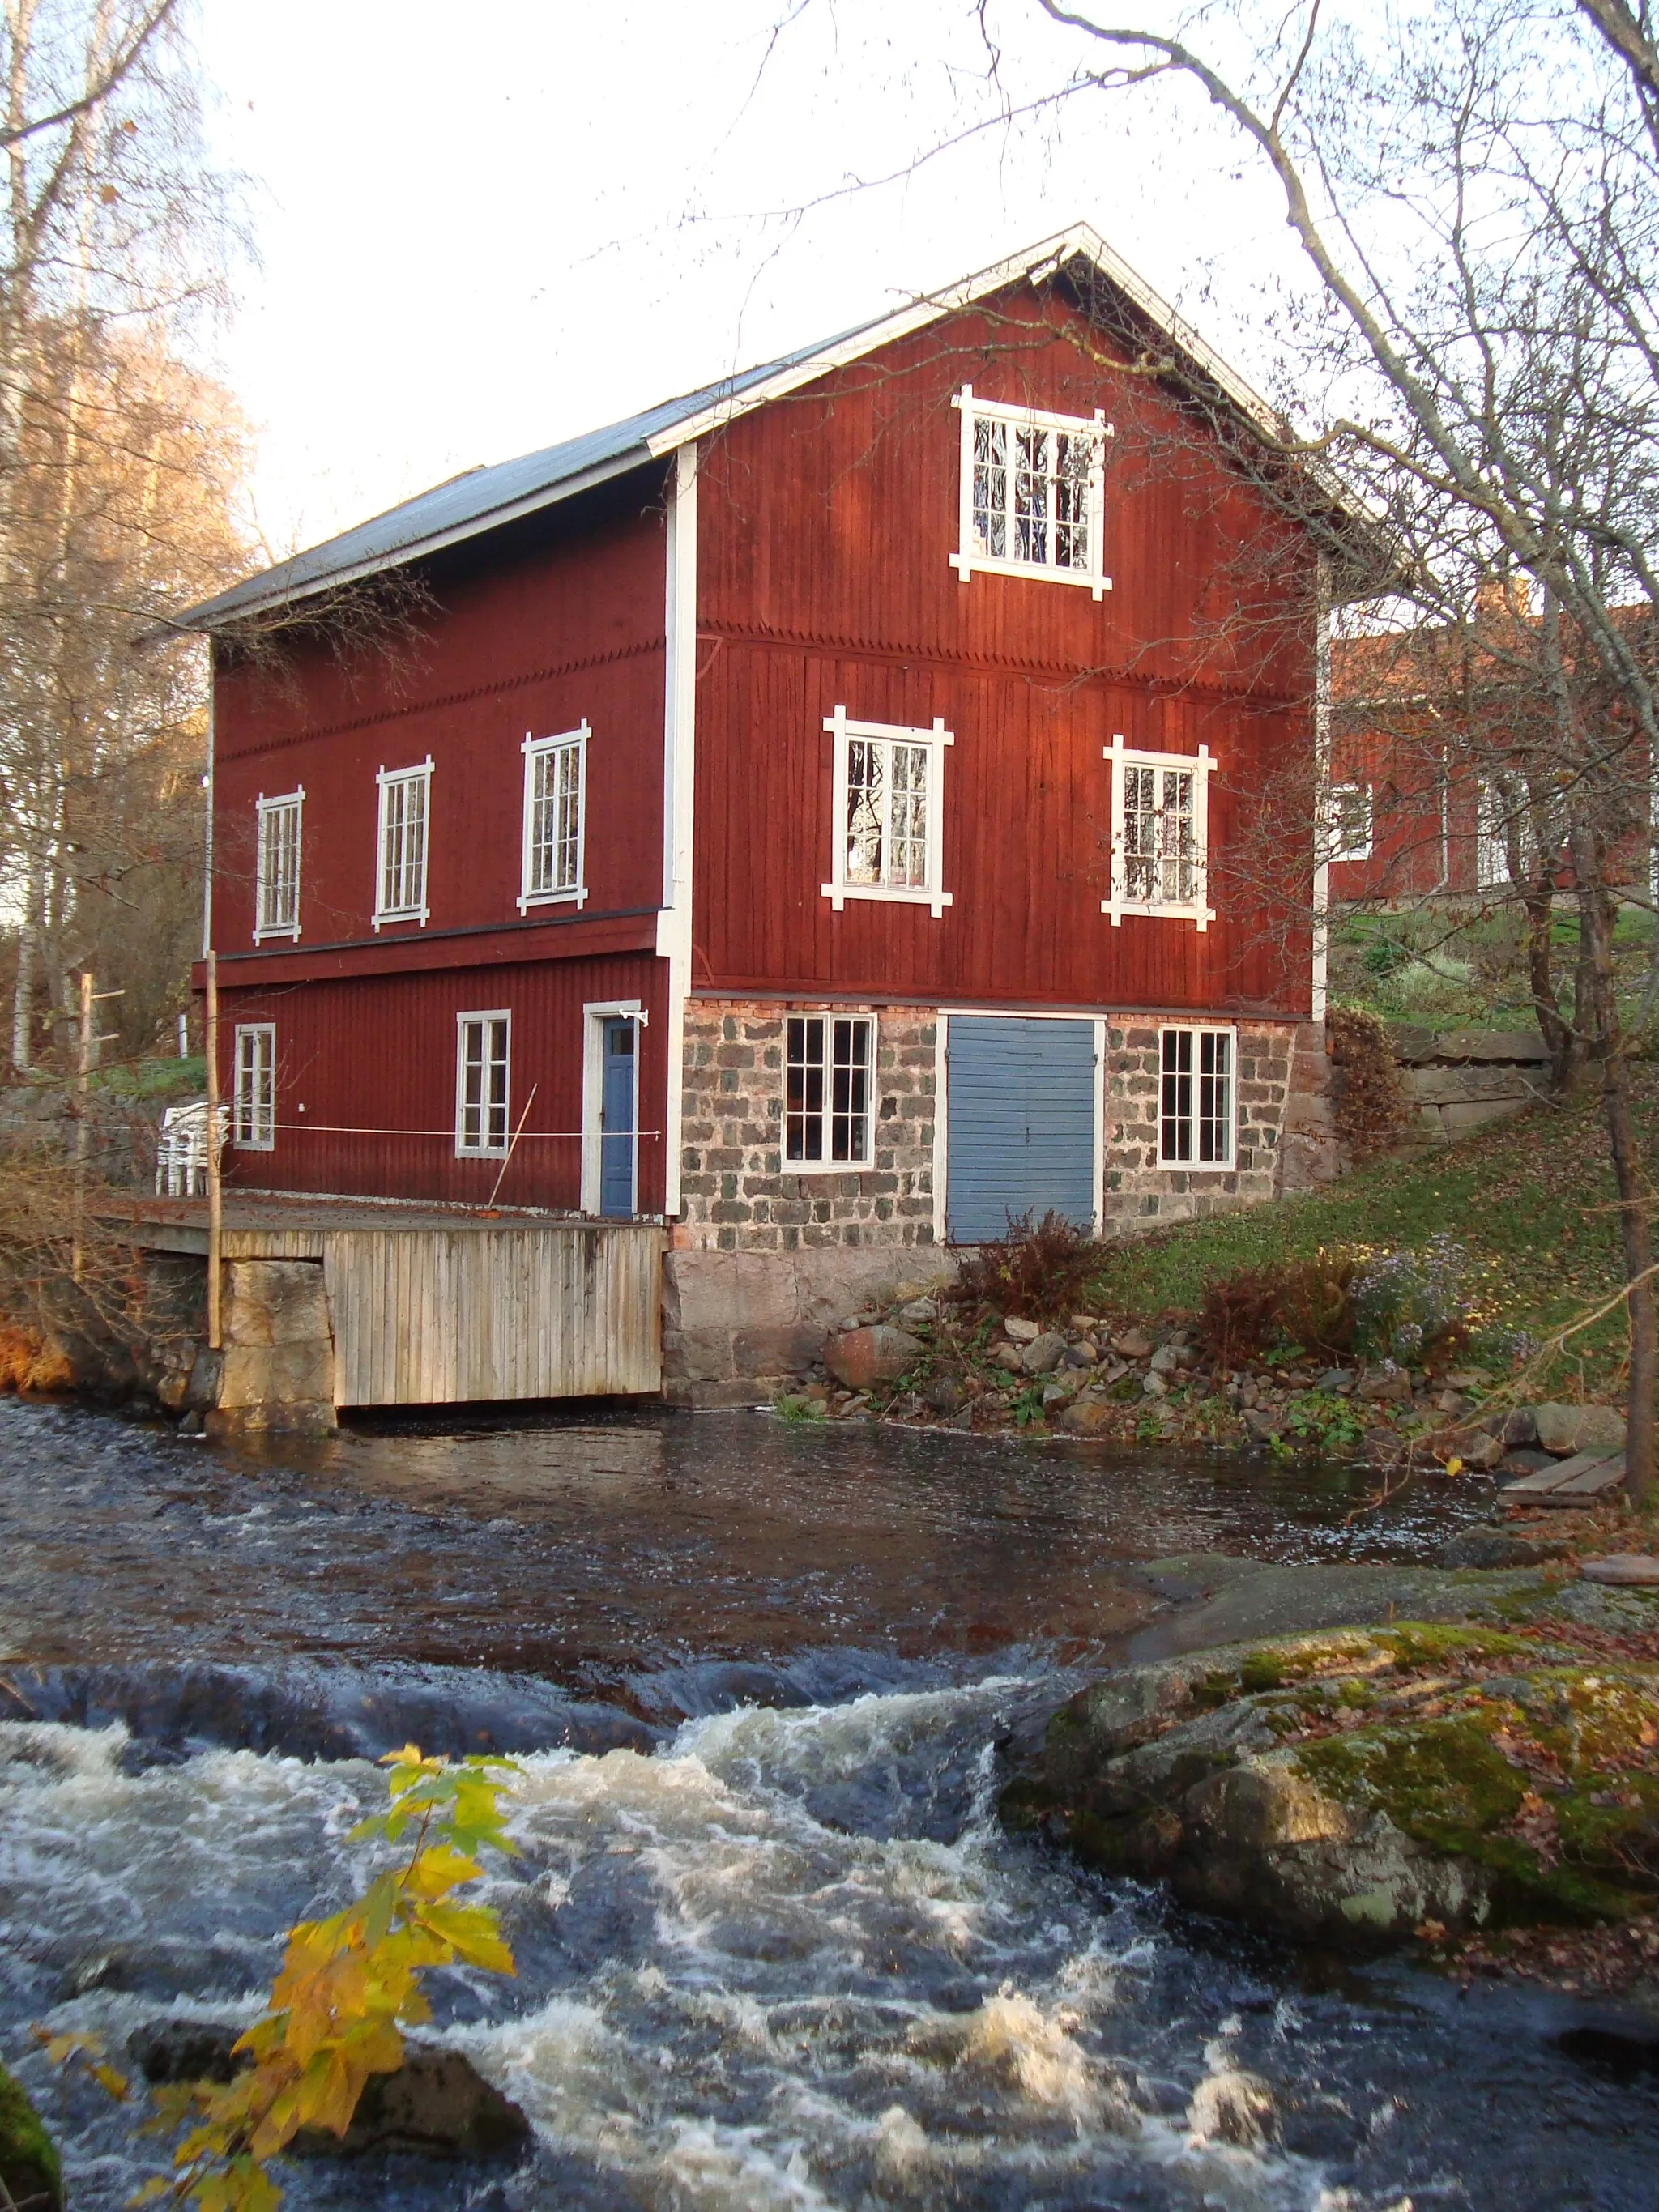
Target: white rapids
728,1996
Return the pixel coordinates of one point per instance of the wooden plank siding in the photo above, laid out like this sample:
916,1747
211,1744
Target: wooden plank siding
826,521
378,1053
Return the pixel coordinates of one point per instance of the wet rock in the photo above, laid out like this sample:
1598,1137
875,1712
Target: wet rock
29,2171
1085,1417
437,2105
1565,1429
1624,1570
1491,1547
1022,1332
1301,1786
1516,1463
1233,2107
1260,1427
863,1357
1475,1448
1134,1344
1043,1353
1515,1429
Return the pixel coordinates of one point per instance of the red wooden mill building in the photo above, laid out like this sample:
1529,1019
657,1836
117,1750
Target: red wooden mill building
798,813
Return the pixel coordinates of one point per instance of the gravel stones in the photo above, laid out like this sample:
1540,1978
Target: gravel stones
1043,1353
1134,1344
1022,1332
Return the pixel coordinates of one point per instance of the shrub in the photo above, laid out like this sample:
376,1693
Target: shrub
1430,1304
1306,1302
1372,1112
1038,1272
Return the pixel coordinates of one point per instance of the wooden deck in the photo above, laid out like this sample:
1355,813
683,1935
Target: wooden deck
444,1306
1575,1481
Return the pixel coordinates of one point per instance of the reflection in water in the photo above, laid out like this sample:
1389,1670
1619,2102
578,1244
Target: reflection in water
773,1950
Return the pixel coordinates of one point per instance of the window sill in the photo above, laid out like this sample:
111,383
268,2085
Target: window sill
529,899
987,564
251,1145
827,1167
1200,917
417,914
468,1152
894,894
1197,1167
288,929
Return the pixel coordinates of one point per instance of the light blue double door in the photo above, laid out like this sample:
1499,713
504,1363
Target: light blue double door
1019,1123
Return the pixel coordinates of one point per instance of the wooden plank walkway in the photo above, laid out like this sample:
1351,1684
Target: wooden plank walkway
1570,1481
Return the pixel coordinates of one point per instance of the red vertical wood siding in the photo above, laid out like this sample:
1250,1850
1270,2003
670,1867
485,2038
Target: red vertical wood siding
374,1053
826,521
530,631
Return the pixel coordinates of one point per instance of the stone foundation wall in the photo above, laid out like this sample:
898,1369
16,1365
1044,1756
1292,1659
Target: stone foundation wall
738,1192
1139,1192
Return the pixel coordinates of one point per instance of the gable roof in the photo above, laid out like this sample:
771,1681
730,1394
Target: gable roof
484,498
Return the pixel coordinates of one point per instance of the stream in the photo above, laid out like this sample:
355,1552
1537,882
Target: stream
773,1949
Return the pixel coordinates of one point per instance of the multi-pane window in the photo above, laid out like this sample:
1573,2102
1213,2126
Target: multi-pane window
254,1098
1032,492
1160,834
1350,822
1493,812
276,871
1196,1098
481,1081
400,880
555,776
829,1071
887,834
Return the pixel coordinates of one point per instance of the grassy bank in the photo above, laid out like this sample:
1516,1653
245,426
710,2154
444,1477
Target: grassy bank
1534,1194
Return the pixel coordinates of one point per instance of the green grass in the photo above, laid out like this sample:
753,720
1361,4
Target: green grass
154,1079
1534,1193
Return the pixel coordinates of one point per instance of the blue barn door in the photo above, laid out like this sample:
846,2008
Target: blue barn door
1020,1123
618,1152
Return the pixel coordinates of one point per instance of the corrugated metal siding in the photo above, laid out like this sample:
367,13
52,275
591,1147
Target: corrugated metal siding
825,522
427,1318
1021,1099
373,1054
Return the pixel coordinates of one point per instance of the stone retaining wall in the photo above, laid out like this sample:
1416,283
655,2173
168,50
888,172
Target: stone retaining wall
1457,1080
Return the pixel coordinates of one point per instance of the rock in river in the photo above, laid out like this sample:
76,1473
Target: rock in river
1350,1786
859,1356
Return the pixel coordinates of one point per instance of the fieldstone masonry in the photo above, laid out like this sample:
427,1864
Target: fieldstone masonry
1139,1192
738,1191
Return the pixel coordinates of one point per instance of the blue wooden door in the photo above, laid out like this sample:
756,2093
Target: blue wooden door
617,1145
1020,1123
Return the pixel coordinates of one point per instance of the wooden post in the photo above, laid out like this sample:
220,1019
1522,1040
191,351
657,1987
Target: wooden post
216,1190
82,1084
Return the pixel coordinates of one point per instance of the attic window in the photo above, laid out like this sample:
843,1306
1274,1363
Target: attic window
1033,493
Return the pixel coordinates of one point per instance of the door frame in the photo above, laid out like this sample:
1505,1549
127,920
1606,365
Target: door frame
942,1101
595,1014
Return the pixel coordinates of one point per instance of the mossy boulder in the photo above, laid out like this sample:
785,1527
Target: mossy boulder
1356,1784
28,2159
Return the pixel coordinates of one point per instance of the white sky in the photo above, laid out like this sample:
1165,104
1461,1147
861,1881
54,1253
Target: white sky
485,228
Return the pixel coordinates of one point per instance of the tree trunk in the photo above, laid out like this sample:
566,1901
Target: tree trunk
22,1004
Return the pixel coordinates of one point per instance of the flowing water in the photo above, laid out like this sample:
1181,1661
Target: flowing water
773,1950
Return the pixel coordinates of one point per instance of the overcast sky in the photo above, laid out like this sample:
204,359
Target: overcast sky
484,229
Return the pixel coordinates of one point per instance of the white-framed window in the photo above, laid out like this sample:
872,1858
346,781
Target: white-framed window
400,871
887,837
828,1098
1196,1096
254,1098
483,1055
1350,822
555,800
1491,852
277,871
1160,834
1033,493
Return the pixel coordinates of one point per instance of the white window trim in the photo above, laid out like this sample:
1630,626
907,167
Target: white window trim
1196,910
1340,855
838,891
866,1165
595,1014
534,749
482,1151
422,914
1227,1166
967,558
264,807
268,1031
